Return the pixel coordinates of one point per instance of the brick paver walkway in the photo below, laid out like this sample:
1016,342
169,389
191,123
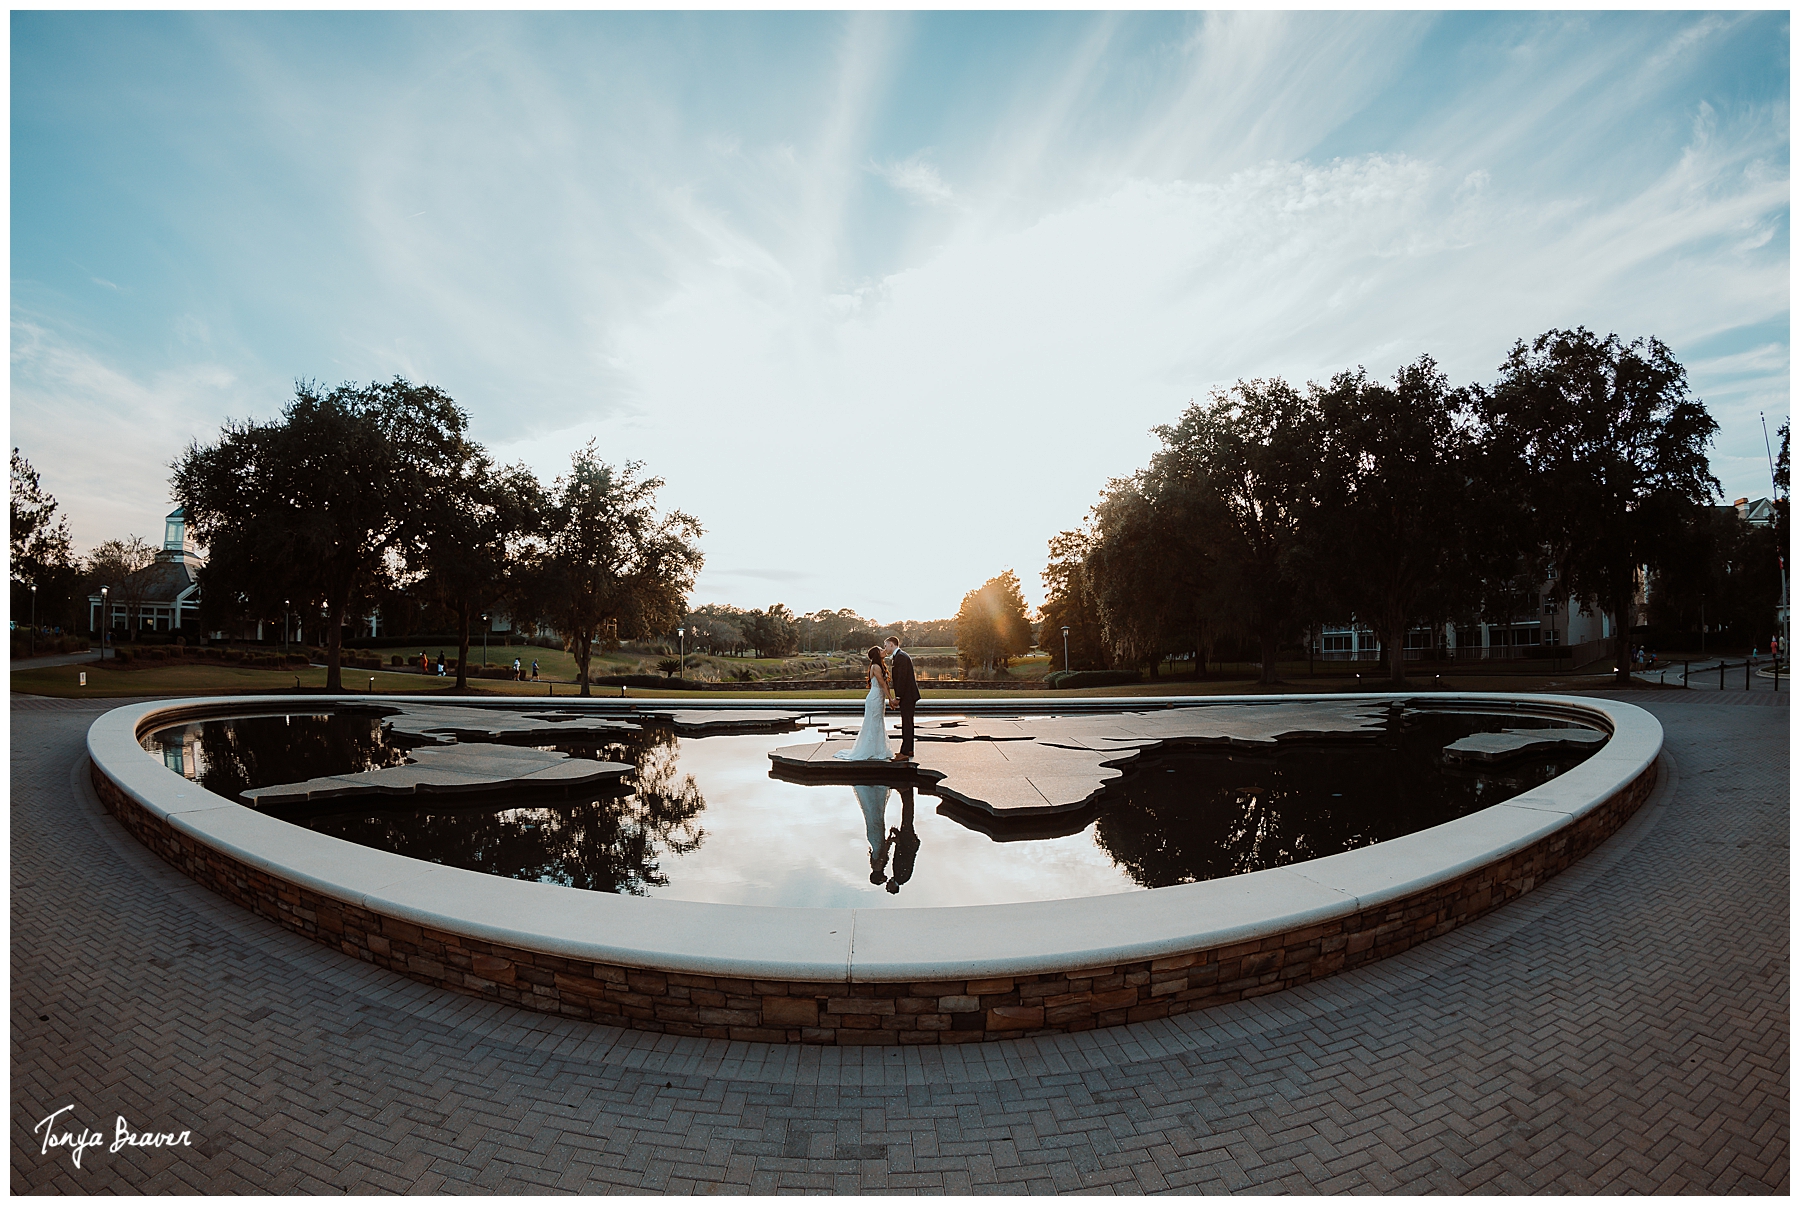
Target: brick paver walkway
1623,1028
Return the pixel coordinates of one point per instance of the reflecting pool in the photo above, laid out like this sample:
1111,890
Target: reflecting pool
703,819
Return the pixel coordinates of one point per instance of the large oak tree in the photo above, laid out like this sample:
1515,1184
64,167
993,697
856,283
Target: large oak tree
611,568
317,506
1613,446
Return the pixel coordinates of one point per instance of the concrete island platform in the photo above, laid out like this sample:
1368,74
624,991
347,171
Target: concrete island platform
1037,767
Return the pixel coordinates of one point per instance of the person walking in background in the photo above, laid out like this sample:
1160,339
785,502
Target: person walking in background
517,676
534,676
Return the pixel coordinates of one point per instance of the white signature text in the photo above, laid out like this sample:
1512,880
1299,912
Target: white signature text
79,1140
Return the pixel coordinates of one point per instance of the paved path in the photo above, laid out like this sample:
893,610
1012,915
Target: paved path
1623,1028
54,659
1703,675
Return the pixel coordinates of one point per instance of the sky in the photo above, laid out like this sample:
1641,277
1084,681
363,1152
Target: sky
885,298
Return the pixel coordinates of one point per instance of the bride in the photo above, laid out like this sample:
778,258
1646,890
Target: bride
872,743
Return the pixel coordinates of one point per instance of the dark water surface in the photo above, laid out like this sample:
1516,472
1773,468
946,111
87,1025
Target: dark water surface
702,819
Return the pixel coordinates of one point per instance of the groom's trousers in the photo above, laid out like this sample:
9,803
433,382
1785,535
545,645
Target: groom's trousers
906,726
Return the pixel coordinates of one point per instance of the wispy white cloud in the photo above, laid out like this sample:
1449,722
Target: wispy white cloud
917,178
848,355
101,438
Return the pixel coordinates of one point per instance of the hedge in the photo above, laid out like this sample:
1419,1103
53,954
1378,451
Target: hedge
645,680
1091,678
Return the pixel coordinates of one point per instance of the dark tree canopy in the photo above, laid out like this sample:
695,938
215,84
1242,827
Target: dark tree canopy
1614,447
612,568
41,552
1268,511
318,506
1068,603
774,632
1232,476
1391,495
477,531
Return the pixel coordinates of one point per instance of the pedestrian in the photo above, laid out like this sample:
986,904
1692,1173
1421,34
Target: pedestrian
534,676
517,677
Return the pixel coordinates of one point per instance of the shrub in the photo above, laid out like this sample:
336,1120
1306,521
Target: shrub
394,660
640,680
1091,678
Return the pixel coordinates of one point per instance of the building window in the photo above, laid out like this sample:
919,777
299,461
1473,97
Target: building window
1335,642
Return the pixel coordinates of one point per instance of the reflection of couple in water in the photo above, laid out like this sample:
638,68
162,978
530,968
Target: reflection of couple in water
902,843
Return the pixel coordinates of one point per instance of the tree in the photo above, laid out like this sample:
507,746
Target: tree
317,506
992,627
611,567
1069,603
124,568
1232,477
772,633
716,628
41,549
1394,465
1719,572
1144,614
479,526
1613,447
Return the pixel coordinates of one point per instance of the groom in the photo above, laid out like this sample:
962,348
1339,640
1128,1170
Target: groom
906,693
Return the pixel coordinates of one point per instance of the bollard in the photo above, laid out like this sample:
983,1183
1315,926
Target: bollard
1684,674
1746,674
84,678
1721,674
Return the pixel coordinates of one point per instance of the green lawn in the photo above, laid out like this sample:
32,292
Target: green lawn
558,670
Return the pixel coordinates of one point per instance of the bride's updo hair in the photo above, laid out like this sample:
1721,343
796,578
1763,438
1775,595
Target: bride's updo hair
875,654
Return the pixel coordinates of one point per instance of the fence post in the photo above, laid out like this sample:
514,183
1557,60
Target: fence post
1721,674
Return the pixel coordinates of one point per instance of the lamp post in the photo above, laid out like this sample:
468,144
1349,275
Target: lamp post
1066,665
33,652
286,606
484,632
105,621
682,633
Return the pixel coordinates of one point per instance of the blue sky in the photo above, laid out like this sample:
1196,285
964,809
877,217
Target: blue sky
886,298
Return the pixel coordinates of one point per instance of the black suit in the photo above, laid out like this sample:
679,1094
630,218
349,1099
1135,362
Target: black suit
906,694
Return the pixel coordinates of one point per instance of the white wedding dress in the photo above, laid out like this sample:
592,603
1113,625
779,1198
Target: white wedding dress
872,742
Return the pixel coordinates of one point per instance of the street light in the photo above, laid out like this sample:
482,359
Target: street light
484,632
682,669
1065,647
33,652
285,605
105,622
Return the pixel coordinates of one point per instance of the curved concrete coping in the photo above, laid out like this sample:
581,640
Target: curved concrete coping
876,945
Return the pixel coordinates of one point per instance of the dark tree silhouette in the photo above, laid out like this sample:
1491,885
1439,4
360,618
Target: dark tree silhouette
317,506
1613,445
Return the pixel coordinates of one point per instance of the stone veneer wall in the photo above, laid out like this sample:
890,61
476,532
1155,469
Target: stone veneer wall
953,1011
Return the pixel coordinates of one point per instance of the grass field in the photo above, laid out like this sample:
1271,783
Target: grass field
558,670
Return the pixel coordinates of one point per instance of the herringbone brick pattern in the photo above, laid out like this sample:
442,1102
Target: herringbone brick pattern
1623,1028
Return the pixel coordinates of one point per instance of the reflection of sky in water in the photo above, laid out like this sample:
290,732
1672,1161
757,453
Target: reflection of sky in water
705,814
770,842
